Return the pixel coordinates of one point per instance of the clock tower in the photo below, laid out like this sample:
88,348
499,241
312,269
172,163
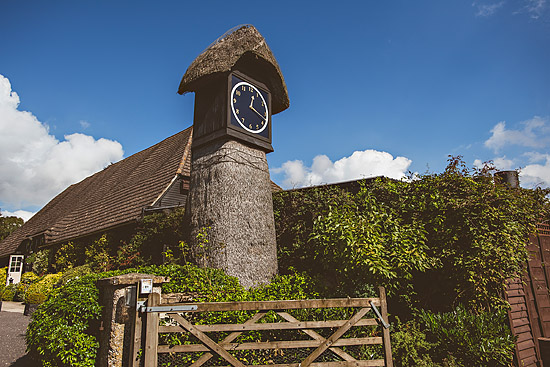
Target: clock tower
238,87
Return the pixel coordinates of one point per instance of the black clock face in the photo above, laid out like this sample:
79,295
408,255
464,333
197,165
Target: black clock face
249,107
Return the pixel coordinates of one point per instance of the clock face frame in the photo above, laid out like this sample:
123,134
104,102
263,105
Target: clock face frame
250,106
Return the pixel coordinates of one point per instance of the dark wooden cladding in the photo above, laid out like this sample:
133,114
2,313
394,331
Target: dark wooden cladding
529,299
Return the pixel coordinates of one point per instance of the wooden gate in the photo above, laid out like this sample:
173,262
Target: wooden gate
271,336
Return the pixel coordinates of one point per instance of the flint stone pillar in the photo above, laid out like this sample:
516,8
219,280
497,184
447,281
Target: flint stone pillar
230,200
117,322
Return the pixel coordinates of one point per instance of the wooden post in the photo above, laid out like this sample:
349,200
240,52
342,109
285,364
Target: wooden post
152,335
135,344
386,332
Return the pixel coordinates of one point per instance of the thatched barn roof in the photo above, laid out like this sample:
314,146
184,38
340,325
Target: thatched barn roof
242,48
113,197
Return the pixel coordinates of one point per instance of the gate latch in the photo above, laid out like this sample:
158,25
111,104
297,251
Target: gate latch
384,323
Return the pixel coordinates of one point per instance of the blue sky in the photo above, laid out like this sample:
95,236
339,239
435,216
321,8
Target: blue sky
376,87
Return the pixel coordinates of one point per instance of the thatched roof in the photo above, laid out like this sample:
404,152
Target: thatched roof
111,198
241,48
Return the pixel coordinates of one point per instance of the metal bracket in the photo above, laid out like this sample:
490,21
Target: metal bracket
384,323
179,308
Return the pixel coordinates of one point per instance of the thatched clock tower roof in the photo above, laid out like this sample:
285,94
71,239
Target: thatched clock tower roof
241,48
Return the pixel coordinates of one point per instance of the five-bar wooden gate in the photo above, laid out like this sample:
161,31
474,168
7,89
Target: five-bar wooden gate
326,347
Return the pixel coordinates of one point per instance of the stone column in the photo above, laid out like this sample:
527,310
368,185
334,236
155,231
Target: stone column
117,323
230,201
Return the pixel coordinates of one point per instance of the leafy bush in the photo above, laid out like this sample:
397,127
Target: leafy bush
38,292
435,240
63,329
59,334
3,279
9,292
73,273
409,345
27,279
482,339
41,261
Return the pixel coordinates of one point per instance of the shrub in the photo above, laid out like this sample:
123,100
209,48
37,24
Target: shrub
38,292
58,334
41,261
3,279
9,292
409,345
481,339
63,329
27,279
74,273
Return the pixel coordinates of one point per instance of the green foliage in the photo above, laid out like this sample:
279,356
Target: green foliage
476,233
41,261
8,225
73,273
38,291
435,240
27,279
59,333
97,254
158,232
9,292
409,345
63,329
482,339
67,256
3,279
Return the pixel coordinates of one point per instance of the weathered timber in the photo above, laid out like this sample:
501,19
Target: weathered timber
385,331
363,363
152,336
212,345
269,326
282,304
339,352
288,344
228,339
331,340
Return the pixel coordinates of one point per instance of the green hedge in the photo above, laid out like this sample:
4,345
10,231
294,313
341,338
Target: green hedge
62,331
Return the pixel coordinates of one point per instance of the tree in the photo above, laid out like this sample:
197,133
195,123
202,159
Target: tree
8,225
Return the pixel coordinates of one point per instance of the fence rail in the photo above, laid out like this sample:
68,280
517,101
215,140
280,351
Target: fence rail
326,347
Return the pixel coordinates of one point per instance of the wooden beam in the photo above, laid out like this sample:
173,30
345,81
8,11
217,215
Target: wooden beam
334,337
152,335
212,345
385,332
269,326
364,363
228,339
339,352
291,344
280,305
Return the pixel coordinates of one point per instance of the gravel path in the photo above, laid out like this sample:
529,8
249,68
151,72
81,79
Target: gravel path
12,340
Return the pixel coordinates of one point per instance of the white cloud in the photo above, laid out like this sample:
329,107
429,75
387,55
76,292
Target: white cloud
536,174
535,8
34,165
361,164
485,10
84,124
23,214
534,134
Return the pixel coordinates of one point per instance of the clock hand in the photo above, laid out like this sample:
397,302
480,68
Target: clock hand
259,114
251,102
